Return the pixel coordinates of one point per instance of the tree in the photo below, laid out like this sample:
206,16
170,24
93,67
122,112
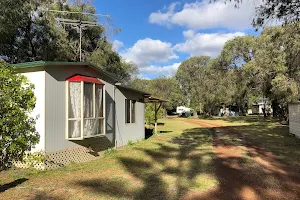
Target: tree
29,32
282,10
162,87
17,128
234,55
192,77
275,67
112,62
237,52
286,11
206,84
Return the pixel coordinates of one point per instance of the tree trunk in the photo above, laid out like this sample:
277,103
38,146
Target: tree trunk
165,111
195,115
275,108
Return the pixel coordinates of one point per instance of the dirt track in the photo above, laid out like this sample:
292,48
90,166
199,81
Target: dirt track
245,170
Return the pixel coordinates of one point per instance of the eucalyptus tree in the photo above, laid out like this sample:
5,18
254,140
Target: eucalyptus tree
162,87
33,30
234,55
191,75
285,11
275,69
204,85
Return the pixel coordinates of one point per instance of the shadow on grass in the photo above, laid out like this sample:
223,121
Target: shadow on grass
179,159
13,184
162,131
273,139
257,174
42,195
246,119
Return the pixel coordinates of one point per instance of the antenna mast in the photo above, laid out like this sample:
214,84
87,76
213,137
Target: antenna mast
79,25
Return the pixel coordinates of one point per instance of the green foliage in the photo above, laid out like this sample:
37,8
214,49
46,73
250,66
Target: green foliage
283,10
31,159
237,51
274,71
204,85
130,143
248,70
110,151
149,113
29,33
164,88
286,11
17,128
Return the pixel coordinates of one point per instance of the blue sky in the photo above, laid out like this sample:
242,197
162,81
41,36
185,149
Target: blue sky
159,34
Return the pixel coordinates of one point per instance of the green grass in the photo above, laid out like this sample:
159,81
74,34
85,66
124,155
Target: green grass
253,119
167,166
274,138
179,160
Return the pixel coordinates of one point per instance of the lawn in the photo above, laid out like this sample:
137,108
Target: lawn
217,158
170,165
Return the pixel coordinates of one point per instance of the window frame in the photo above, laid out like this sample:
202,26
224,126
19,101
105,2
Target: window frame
94,82
131,102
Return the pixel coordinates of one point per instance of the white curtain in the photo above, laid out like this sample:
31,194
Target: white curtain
93,126
88,100
99,108
99,96
90,127
88,103
74,109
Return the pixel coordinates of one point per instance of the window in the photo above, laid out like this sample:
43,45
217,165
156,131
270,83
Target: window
132,111
85,109
129,111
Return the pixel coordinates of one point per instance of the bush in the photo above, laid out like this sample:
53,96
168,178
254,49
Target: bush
110,151
17,128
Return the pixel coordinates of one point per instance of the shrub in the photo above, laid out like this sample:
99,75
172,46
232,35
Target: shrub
130,143
110,151
17,128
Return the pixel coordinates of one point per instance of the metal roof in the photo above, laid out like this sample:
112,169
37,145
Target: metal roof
132,89
155,100
56,63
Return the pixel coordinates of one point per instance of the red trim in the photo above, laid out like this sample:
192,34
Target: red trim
78,78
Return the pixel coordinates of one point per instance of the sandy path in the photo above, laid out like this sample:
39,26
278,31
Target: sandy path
246,171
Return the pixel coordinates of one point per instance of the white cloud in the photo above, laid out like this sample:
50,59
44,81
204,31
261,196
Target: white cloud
147,51
117,45
209,44
163,18
206,15
189,33
156,71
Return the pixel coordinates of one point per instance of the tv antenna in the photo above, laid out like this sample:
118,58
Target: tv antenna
79,25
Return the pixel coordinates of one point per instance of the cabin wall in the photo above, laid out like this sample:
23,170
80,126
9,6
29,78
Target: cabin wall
126,132
38,79
56,110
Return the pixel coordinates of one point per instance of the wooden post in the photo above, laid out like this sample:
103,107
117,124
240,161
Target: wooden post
155,113
155,118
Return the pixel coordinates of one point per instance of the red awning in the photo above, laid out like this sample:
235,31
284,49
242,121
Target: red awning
79,78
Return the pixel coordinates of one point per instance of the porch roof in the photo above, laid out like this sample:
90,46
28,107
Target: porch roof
146,94
152,99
